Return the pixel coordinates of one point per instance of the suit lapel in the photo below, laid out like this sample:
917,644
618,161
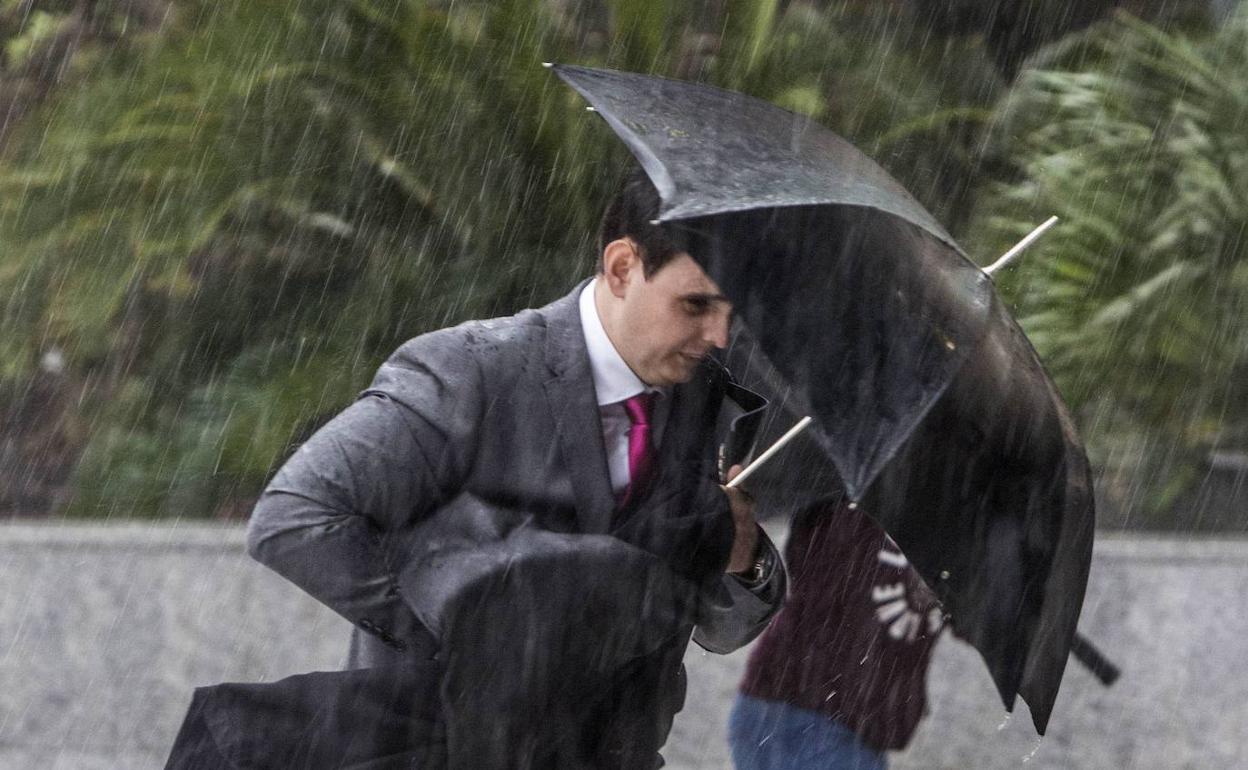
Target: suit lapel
574,408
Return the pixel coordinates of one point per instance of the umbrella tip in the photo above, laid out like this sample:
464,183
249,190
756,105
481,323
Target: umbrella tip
548,64
656,222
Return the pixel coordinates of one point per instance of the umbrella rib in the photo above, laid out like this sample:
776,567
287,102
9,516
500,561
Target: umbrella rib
1030,238
771,450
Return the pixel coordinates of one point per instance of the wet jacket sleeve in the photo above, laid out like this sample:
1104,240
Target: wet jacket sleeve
325,520
736,610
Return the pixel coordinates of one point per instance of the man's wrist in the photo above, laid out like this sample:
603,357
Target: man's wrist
756,572
752,575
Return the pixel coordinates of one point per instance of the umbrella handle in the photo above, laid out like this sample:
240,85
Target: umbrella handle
1094,660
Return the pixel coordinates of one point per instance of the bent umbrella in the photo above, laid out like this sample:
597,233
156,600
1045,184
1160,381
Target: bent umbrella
855,306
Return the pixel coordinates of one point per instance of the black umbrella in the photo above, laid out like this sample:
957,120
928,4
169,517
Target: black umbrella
856,307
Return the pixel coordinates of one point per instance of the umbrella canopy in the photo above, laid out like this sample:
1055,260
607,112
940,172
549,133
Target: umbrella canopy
856,307
710,152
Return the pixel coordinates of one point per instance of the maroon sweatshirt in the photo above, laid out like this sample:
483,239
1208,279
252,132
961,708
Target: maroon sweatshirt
854,639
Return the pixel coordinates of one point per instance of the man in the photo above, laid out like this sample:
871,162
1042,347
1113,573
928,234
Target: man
594,415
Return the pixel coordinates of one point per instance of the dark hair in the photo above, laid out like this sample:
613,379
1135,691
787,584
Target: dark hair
630,215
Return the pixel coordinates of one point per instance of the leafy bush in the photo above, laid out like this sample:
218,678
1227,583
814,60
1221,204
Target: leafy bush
1134,137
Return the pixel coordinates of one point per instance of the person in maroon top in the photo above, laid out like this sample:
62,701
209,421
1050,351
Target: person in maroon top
839,677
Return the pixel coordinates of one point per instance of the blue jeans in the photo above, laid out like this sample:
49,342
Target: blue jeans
768,735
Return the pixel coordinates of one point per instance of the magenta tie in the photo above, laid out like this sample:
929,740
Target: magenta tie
640,409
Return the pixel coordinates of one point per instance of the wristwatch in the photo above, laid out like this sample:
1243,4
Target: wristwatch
754,575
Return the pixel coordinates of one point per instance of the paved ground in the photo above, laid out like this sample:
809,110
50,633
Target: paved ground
104,632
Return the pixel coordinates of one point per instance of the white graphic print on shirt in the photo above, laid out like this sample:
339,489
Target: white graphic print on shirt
893,602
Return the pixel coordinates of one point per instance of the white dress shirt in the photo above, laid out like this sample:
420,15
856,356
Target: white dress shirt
614,383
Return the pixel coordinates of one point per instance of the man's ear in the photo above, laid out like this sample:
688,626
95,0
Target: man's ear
620,264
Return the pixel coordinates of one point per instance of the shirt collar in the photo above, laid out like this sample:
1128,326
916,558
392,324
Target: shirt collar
614,381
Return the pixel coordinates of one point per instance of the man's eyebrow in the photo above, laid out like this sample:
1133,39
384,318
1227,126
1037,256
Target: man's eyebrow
705,296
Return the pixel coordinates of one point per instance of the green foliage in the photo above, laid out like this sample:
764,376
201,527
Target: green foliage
39,27
264,187
1134,137
914,102
223,226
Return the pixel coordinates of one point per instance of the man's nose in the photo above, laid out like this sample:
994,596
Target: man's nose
716,331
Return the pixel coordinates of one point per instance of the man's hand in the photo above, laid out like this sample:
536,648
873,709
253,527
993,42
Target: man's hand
745,543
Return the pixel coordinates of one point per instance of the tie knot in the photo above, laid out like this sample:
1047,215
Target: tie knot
639,408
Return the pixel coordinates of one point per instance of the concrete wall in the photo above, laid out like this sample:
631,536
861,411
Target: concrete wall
105,630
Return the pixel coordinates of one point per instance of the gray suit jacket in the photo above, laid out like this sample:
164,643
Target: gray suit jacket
497,416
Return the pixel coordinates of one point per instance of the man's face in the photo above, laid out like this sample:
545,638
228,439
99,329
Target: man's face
668,322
